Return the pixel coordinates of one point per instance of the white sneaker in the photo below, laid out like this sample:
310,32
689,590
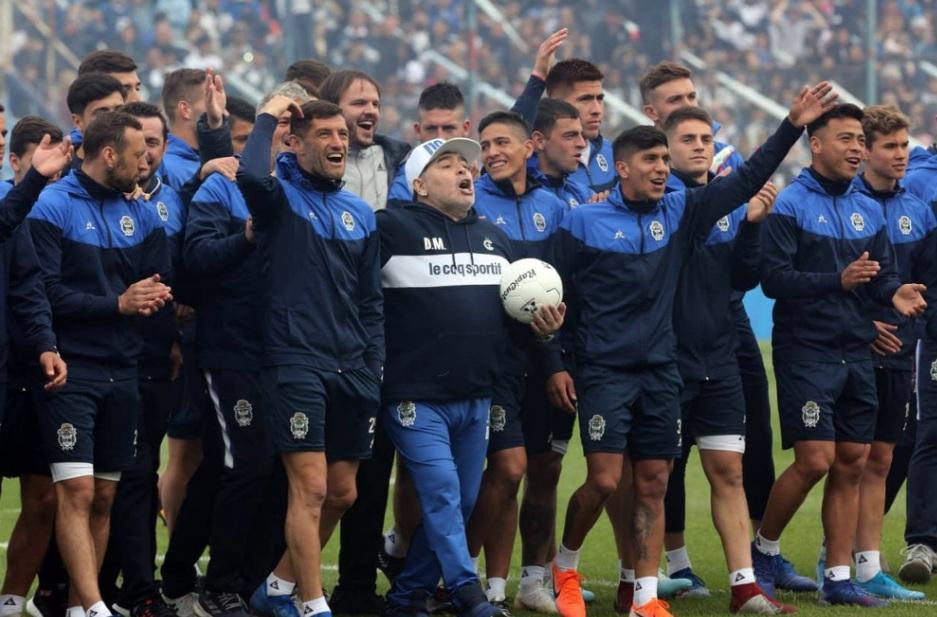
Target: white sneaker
120,610
183,605
538,599
32,610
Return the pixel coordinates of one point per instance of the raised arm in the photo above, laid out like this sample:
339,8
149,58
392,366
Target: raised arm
526,103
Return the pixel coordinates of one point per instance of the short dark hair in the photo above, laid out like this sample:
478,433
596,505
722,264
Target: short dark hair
443,95
551,110
637,138
29,131
89,88
879,120
178,86
108,129
240,109
567,73
504,117
337,82
140,109
681,115
313,110
107,61
660,74
308,73
843,110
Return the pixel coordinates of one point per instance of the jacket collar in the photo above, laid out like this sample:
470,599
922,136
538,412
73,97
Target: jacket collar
618,200
288,169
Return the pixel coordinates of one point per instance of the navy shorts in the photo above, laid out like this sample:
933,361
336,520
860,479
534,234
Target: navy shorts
91,422
521,415
20,439
309,410
186,418
826,401
714,408
634,411
894,403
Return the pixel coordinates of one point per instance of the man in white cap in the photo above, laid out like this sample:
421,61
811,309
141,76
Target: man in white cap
445,329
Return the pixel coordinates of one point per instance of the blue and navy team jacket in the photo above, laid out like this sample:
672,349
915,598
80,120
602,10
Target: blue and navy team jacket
446,330
921,179
320,256
910,224
180,163
92,244
18,200
806,243
622,261
225,268
722,261
599,175
25,315
160,330
572,193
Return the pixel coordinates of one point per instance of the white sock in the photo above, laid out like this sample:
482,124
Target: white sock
277,586
75,611
868,564
99,609
567,559
822,555
626,575
645,590
836,573
531,578
316,606
677,559
766,546
475,563
496,587
548,576
11,605
392,544
743,576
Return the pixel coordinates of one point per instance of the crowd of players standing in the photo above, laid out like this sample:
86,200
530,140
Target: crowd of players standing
216,273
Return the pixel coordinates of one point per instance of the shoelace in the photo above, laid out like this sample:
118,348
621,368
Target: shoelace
571,582
229,602
917,551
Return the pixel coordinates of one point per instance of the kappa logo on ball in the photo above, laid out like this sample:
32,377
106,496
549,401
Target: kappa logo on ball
497,418
723,224
596,427
858,223
348,220
540,222
657,230
162,211
810,414
126,226
602,162
243,412
299,425
904,225
406,413
67,437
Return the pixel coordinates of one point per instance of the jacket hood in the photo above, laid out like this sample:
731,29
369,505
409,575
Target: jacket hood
288,169
861,185
396,149
506,189
421,209
76,137
178,147
921,157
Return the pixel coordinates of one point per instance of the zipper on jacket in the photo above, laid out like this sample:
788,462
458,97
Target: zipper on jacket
520,220
107,228
641,231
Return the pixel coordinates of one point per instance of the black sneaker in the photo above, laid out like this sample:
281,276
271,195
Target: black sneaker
388,564
48,602
153,607
220,604
355,601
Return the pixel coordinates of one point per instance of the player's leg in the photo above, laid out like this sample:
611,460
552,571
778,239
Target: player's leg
894,400
396,540
758,460
537,526
184,437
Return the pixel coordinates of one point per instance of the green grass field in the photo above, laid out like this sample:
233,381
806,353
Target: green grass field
599,561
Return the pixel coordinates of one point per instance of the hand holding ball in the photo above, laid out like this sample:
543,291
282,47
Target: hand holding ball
528,284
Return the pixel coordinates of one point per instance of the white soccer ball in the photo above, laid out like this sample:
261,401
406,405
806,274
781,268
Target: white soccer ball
528,284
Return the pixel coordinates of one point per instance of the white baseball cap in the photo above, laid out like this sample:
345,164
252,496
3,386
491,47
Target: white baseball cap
423,155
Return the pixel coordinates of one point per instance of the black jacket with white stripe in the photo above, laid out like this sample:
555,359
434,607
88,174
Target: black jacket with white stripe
445,330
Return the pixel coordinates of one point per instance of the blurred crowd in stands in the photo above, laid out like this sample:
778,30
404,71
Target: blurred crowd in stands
765,44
